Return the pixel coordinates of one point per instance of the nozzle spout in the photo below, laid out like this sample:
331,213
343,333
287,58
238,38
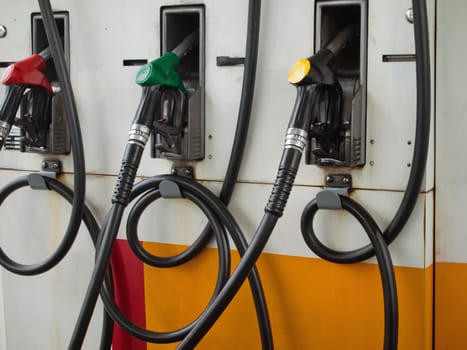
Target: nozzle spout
46,54
338,43
186,44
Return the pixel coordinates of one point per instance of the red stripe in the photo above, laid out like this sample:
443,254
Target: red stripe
128,275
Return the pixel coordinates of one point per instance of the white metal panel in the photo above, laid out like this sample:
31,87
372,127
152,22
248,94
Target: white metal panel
431,161
180,222
429,228
16,17
107,95
3,333
336,228
106,92
451,123
391,100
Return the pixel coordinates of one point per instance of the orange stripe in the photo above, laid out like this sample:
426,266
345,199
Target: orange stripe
313,304
429,302
451,306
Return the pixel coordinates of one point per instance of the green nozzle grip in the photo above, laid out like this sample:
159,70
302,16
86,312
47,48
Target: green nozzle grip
162,71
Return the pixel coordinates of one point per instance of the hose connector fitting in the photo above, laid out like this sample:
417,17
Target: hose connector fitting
139,135
296,138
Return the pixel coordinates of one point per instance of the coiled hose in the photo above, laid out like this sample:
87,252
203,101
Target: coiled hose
78,158
77,199
142,125
298,130
380,241
90,223
420,154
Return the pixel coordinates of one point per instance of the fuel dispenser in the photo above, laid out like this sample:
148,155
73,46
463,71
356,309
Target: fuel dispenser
329,107
327,126
34,87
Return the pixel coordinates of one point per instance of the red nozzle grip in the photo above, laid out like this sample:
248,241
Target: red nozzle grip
27,72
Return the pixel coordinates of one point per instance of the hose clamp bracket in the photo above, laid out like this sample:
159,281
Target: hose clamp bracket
336,185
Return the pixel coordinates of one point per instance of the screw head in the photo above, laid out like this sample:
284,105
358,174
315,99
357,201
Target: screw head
173,171
44,165
345,180
3,31
329,179
409,15
187,172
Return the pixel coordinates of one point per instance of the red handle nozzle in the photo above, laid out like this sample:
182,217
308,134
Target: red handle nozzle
27,72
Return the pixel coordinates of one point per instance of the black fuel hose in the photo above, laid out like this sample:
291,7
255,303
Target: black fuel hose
215,309
223,272
218,216
295,141
78,158
241,132
386,269
380,242
126,179
78,197
150,259
420,154
90,223
246,101
226,192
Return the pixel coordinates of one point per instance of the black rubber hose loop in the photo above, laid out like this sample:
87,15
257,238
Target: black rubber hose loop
421,143
194,191
391,319
169,261
148,258
61,250
241,131
78,160
90,223
78,157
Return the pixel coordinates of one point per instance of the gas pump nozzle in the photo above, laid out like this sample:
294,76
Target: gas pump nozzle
310,73
163,70
154,78
309,76
18,77
315,69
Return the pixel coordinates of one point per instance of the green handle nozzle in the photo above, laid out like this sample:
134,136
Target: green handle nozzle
163,71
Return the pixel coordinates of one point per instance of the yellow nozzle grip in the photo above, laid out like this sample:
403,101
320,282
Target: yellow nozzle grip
299,71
